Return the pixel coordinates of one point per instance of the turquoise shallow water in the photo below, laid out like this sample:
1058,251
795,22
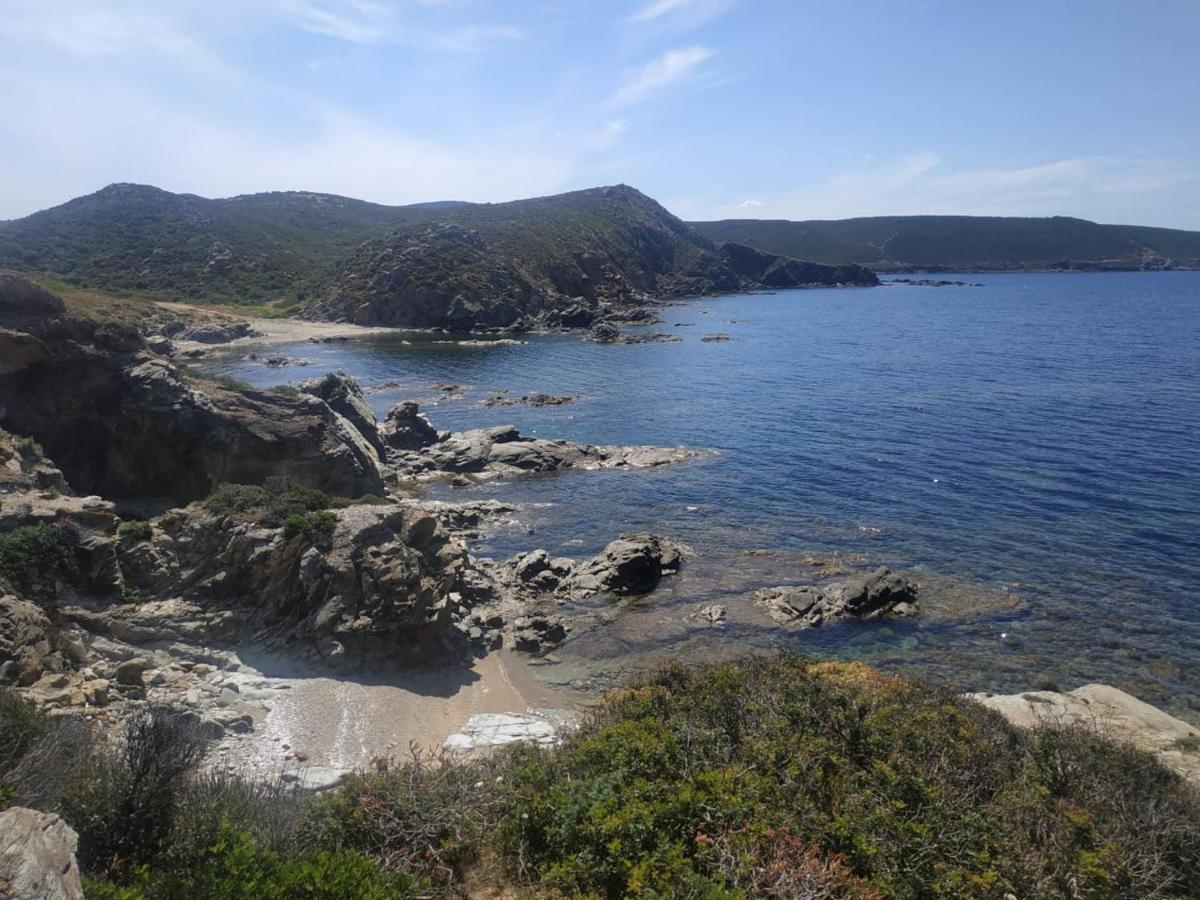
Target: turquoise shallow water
1038,435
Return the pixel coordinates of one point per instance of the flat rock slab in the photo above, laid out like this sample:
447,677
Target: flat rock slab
1111,712
497,729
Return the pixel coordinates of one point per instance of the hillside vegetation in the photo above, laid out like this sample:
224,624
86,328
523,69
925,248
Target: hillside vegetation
770,777
456,265
965,243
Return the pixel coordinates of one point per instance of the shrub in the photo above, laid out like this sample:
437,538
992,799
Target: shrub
135,530
29,551
40,756
271,504
762,775
126,810
313,526
234,867
429,816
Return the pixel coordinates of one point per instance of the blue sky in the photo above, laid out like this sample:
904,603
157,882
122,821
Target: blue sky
718,108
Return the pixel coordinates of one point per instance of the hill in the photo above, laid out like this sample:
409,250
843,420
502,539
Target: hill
446,264
965,243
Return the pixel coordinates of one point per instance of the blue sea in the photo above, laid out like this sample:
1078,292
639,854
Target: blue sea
1029,448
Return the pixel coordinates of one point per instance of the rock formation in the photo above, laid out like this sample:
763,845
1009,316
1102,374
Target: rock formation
125,423
881,593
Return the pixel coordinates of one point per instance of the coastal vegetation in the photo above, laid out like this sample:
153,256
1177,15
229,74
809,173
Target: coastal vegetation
769,777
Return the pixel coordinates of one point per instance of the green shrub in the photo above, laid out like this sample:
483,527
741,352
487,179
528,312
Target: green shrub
135,530
29,551
234,867
271,504
773,771
314,526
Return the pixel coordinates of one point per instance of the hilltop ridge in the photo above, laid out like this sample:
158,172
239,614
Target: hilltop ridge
966,243
444,264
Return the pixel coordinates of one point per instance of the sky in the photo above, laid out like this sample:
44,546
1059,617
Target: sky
716,108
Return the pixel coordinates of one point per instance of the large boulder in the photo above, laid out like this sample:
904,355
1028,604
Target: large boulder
1111,712
632,564
37,857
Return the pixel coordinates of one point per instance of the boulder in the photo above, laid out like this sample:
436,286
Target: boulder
406,429
37,857
26,640
1111,712
388,572
632,564
537,634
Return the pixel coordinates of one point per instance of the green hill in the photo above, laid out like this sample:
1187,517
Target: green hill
970,243
445,264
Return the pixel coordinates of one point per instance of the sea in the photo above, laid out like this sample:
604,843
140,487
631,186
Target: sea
1026,448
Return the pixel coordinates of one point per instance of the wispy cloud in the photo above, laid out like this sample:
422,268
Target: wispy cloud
672,68
678,13
347,20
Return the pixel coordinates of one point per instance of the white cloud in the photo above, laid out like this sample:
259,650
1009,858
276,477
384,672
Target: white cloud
678,13
1138,191
355,21
750,204
672,68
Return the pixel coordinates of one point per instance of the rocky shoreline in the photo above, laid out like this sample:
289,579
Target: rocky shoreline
247,555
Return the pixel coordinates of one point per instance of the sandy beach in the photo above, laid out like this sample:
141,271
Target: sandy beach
326,722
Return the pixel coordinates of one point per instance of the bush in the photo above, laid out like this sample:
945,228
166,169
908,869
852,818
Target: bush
125,810
40,756
271,504
314,526
29,551
234,867
788,772
135,530
430,816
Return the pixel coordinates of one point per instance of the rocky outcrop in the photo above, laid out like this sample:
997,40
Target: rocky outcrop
771,270
387,574
37,857
632,564
502,451
122,422
406,429
345,397
1110,712
881,593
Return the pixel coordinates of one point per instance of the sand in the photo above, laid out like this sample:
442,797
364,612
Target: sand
343,723
275,331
